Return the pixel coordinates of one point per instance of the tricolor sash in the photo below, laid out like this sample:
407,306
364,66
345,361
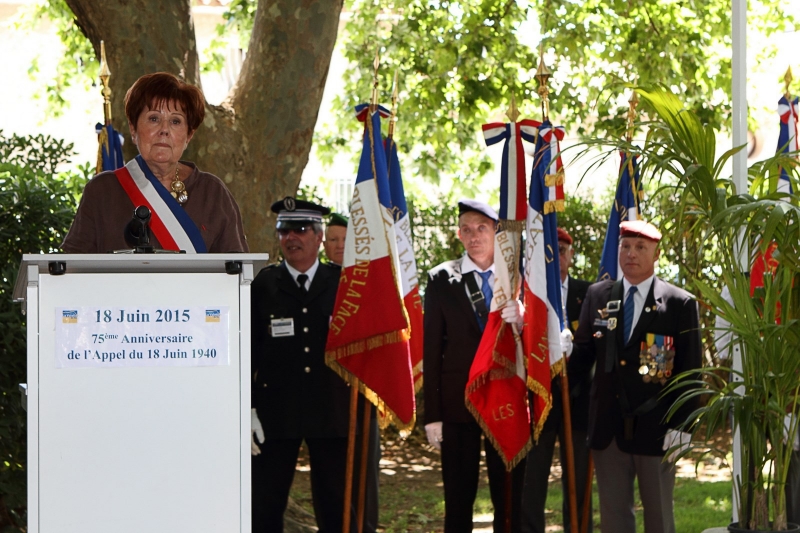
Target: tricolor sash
170,224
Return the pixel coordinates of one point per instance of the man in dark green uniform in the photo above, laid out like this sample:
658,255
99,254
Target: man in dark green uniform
296,398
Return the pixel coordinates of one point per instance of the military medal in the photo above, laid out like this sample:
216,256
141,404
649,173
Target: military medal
612,323
178,189
656,357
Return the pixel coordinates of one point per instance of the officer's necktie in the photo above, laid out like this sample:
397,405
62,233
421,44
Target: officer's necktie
301,280
628,315
486,288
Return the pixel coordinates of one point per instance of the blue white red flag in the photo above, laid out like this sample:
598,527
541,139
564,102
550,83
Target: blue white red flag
362,112
170,224
764,263
496,393
368,341
512,172
109,150
542,286
409,278
787,138
625,207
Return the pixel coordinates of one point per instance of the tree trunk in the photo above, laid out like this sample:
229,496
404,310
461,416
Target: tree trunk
259,139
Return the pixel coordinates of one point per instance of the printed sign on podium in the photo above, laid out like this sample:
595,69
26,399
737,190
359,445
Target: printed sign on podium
138,392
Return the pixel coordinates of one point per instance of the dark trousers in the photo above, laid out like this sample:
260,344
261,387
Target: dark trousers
273,472
537,473
372,479
792,490
461,456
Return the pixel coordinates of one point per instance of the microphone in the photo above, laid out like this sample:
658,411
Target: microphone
137,231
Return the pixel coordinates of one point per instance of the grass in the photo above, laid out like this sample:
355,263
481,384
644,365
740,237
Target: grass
411,495
698,505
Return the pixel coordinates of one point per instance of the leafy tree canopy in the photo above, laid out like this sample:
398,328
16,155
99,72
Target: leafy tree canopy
459,62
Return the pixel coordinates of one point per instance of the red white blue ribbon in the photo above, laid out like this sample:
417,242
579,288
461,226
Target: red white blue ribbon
170,224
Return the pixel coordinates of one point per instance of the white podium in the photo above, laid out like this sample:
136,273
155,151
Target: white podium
138,393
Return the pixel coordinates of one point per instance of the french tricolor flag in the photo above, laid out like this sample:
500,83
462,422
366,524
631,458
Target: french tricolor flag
368,340
512,188
542,286
409,277
787,137
625,207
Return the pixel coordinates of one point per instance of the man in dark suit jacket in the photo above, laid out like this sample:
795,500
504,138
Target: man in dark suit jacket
295,396
642,332
452,333
537,472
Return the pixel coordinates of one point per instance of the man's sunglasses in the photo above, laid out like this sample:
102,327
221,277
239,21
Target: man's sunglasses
283,232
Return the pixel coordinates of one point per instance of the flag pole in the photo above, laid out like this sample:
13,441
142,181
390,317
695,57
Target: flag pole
351,437
105,75
513,115
542,76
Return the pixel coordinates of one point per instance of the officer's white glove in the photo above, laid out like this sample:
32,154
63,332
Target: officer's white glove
256,432
566,341
787,425
513,313
434,433
675,443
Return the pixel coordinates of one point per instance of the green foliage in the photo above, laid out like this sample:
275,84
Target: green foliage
680,152
460,62
586,223
239,19
36,208
434,227
77,66
603,46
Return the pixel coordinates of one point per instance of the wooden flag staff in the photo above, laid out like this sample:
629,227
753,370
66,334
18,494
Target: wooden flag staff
351,437
542,76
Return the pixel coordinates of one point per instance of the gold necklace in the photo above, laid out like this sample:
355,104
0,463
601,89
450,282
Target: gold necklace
178,189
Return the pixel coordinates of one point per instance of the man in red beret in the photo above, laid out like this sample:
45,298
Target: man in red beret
540,458
641,332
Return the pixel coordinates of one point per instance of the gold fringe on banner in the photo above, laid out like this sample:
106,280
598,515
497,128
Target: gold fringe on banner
417,369
511,225
539,390
359,347
554,180
102,141
488,434
556,368
508,371
553,205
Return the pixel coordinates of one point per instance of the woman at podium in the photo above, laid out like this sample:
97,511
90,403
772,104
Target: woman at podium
188,209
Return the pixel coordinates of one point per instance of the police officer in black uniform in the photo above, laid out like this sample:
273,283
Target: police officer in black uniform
295,397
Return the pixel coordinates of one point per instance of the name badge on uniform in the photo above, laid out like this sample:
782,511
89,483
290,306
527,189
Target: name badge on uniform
282,327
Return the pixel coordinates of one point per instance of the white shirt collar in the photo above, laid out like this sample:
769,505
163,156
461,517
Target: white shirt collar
310,272
642,288
468,265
